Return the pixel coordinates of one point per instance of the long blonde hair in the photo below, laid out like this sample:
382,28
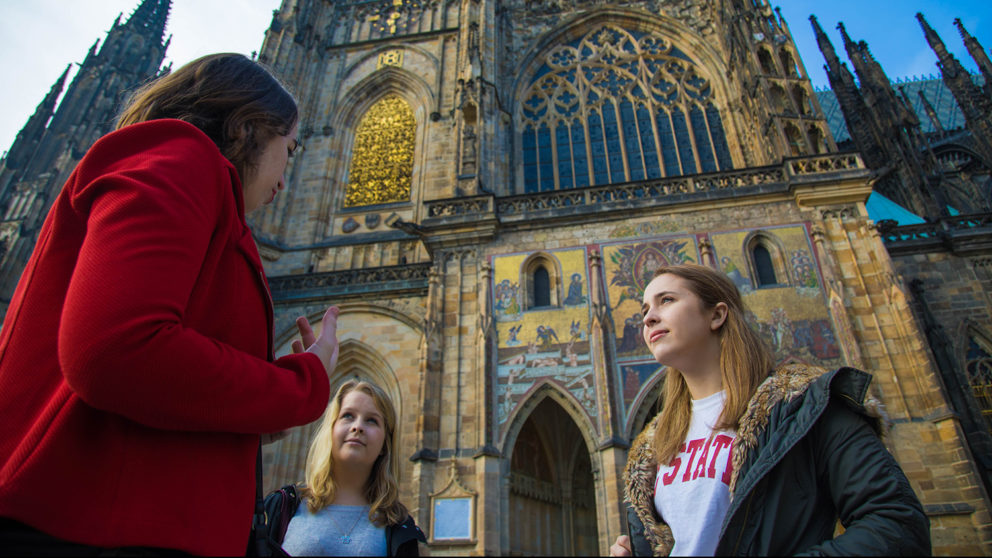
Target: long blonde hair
745,361
382,489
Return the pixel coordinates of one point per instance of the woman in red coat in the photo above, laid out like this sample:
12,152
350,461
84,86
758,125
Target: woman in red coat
136,359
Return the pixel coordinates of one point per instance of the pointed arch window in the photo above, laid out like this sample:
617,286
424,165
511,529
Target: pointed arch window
816,139
766,260
382,157
802,99
765,60
618,105
779,101
788,63
794,138
541,281
979,368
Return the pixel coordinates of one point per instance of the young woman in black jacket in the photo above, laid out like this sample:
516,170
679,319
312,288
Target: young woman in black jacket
350,504
743,462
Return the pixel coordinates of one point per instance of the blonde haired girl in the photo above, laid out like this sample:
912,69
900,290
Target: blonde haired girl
748,461
351,491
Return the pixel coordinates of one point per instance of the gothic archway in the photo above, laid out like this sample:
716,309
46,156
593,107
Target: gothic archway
647,406
552,502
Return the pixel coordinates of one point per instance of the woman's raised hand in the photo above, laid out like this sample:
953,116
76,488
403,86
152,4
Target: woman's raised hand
325,346
621,547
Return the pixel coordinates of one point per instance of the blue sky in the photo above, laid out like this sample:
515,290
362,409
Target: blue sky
38,38
891,31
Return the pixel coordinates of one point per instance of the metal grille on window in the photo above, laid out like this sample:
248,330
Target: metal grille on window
382,159
618,105
979,368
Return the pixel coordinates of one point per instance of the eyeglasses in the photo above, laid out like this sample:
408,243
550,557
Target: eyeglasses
296,147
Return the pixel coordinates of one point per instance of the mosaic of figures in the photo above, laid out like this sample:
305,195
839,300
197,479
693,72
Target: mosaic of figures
792,314
548,343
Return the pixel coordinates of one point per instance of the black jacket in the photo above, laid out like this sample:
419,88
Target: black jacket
808,453
401,540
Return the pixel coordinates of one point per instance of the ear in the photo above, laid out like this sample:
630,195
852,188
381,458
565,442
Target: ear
720,312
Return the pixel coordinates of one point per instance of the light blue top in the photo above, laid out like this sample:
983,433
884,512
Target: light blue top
334,531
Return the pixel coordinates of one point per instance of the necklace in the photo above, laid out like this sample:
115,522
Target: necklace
346,537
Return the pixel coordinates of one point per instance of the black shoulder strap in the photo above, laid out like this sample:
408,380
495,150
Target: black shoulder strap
258,543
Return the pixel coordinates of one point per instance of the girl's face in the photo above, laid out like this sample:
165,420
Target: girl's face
268,178
359,433
678,330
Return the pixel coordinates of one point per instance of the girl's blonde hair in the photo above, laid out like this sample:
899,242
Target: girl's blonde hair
382,489
745,361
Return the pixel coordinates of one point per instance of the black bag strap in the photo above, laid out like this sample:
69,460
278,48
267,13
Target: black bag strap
259,522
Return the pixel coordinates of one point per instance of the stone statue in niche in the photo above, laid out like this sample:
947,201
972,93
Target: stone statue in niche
468,149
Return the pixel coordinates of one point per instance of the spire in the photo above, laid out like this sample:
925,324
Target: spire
974,103
781,21
150,18
29,136
978,54
860,124
931,113
949,65
839,75
849,46
826,47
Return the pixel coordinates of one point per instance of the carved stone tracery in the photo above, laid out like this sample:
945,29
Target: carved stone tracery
618,105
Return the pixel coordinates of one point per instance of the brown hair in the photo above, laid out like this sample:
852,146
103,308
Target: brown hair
235,101
745,361
382,488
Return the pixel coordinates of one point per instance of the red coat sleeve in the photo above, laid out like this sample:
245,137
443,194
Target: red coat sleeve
152,218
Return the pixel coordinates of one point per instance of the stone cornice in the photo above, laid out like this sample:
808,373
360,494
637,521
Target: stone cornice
400,280
962,235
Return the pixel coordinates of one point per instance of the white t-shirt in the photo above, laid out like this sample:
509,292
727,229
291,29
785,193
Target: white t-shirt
692,493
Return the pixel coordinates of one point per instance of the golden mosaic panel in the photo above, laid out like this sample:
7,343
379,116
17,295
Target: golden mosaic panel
382,158
794,318
627,269
546,344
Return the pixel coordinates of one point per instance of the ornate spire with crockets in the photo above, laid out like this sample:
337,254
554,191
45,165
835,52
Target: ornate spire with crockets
978,54
150,18
975,104
29,136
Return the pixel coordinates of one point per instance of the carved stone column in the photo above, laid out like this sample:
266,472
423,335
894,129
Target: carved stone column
429,421
613,447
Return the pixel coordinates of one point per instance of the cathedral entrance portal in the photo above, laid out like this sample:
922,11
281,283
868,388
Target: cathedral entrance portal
552,490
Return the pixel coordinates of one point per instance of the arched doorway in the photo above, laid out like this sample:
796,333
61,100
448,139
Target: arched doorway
552,489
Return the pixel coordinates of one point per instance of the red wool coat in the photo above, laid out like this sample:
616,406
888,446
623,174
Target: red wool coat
136,367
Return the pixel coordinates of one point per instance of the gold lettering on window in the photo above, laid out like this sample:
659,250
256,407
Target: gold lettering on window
382,159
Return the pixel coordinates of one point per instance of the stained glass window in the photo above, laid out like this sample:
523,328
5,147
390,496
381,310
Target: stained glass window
614,106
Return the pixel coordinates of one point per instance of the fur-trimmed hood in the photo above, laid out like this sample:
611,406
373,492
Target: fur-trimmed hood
785,385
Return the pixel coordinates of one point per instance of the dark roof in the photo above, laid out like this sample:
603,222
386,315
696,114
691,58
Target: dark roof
933,88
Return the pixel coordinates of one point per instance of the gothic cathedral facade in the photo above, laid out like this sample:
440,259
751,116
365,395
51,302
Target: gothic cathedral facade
486,189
